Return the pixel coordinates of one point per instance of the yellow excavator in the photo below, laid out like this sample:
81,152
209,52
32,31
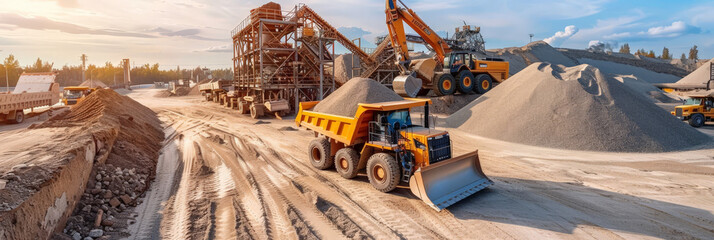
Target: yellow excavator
449,71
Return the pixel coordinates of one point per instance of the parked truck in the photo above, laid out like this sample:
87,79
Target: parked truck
697,110
382,139
33,90
75,94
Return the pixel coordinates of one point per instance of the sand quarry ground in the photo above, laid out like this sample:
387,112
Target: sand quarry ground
221,175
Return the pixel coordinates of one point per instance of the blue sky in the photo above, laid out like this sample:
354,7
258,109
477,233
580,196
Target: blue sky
196,32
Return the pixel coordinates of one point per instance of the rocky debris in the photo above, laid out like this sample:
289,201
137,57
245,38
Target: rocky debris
575,108
109,194
345,100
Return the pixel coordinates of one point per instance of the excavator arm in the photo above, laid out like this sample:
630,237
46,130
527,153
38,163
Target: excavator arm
397,16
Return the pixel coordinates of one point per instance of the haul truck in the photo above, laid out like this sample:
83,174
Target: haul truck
697,110
382,139
449,71
32,90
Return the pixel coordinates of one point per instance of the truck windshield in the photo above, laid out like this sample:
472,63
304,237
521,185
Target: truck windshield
401,118
693,101
447,61
72,94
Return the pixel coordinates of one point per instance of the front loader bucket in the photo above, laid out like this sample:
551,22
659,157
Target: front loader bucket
444,183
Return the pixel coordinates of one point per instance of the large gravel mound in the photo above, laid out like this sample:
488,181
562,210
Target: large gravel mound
700,76
574,108
345,100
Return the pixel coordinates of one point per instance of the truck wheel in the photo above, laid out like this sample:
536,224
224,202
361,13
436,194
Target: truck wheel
444,84
346,161
243,108
319,153
466,82
483,83
19,117
256,111
383,172
696,120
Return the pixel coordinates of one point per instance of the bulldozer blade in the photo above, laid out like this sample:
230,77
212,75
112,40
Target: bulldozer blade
444,183
406,85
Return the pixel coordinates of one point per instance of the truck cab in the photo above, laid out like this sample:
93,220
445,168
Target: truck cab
696,110
75,94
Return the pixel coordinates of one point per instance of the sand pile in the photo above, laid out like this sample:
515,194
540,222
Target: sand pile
194,90
93,84
345,100
574,108
698,77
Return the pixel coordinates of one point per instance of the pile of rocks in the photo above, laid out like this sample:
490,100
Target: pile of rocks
103,207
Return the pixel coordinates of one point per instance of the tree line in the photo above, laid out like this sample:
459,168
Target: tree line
693,53
71,75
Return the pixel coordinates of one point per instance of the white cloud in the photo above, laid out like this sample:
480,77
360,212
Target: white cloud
676,29
561,36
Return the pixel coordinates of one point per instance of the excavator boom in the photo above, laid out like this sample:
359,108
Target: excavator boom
397,16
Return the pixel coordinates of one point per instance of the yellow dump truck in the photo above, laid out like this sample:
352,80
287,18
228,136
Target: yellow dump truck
75,94
382,139
697,110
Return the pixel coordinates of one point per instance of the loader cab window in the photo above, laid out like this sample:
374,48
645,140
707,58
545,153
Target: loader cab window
73,94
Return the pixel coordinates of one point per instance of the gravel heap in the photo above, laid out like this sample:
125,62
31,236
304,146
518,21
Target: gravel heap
345,100
112,191
700,76
574,108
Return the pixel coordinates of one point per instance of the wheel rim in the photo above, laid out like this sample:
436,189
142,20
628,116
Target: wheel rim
446,84
485,84
378,173
18,117
316,154
343,163
467,81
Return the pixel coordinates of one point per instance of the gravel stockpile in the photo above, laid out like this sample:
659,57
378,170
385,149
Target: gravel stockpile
699,76
344,101
574,108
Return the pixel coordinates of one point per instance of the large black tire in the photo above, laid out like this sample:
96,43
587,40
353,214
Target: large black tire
697,120
383,172
444,84
243,107
484,83
19,117
346,161
319,153
256,111
466,82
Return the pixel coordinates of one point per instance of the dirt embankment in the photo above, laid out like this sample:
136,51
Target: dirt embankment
109,144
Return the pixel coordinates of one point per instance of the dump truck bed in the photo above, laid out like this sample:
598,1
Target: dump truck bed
348,130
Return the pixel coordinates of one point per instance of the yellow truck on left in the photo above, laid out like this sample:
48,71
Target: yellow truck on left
32,90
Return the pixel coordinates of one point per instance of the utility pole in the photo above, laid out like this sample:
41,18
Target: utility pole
7,81
84,66
531,35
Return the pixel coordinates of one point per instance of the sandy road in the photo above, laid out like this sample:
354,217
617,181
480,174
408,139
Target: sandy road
223,176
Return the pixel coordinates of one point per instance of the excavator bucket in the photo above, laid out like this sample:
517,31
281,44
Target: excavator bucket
406,85
444,183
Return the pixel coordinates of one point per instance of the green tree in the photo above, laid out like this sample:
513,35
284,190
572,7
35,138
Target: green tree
625,48
694,53
684,57
666,54
12,66
39,66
